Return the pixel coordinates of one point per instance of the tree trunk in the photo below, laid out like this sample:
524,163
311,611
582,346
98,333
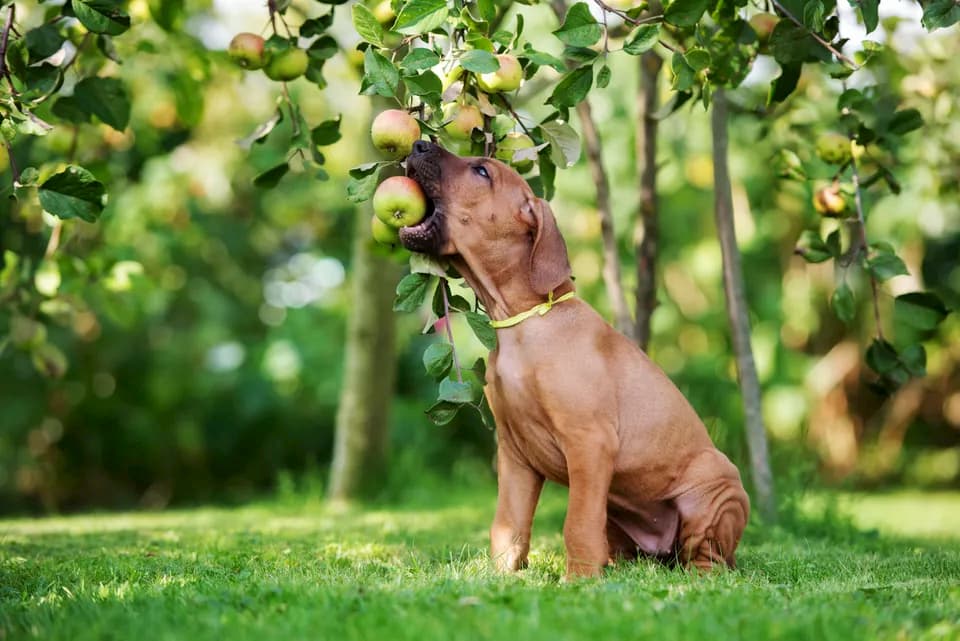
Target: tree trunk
611,257
360,442
737,313
648,230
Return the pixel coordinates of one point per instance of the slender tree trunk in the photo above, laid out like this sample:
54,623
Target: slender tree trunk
611,257
360,442
648,229
738,313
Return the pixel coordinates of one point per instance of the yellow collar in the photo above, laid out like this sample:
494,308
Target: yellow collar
540,309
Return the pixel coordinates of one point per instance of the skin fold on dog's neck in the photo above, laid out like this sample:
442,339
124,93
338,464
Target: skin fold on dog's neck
507,292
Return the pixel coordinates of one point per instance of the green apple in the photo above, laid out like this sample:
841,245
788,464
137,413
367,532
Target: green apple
393,133
246,49
286,64
833,148
829,201
515,141
399,202
384,233
463,119
383,12
506,78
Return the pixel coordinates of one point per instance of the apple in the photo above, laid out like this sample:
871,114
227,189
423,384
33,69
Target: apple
286,64
833,148
383,12
246,49
515,141
506,78
829,201
399,202
383,233
763,24
393,133
463,119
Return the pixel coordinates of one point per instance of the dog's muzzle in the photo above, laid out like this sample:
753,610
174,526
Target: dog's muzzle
423,165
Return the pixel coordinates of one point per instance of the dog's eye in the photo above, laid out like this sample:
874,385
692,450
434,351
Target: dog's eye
480,170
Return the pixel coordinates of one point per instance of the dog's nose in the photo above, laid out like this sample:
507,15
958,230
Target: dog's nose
421,147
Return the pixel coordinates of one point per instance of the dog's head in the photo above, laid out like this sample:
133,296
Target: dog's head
482,210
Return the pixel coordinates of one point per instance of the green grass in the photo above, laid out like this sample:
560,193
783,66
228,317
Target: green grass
289,571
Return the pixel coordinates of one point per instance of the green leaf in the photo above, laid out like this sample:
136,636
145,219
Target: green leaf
683,74
784,84
580,54
317,26
920,310
102,16
869,12
188,96
564,143
271,177
914,359
423,84
543,59
603,77
812,248
10,272
479,61
905,121
843,303
323,48
43,42
685,13
455,391
882,356
885,264
169,14
421,16
411,292
73,193
263,130
419,60
698,59
579,28
642,39
366,25
438,359
326,133
361,188
442,412
790,43
380,76
573,88
480,324
105,98
940,14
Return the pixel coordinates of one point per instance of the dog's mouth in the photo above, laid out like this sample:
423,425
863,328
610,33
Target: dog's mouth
428,235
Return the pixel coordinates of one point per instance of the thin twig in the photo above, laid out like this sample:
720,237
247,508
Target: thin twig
13,164
816,37
446,315
863,242
516,116
624,16
4,41
54,241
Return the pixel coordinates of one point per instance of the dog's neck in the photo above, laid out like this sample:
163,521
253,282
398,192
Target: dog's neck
504,293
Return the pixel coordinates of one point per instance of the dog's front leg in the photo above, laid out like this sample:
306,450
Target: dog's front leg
518,490
590,463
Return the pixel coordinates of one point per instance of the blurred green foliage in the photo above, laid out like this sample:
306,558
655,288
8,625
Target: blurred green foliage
204,325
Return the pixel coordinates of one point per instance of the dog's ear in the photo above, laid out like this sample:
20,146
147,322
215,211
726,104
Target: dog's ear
549,264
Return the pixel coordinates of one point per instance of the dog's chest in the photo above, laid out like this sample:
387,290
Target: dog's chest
523,423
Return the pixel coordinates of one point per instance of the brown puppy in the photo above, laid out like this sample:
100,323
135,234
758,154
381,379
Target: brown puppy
575,401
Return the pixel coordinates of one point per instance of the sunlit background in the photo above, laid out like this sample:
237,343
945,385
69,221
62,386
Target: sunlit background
206,349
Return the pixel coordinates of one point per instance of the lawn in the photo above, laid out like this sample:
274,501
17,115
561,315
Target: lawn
417,570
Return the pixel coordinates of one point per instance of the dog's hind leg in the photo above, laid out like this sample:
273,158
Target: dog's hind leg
713,514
